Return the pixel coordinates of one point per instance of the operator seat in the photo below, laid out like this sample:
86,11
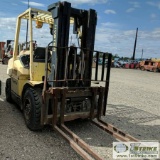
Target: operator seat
39,54
25,59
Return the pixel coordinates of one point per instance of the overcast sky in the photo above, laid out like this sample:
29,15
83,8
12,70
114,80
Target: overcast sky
116,27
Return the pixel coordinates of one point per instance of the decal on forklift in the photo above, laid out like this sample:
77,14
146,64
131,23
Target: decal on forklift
54,37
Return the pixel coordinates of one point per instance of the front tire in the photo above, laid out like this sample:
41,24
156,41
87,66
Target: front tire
32,108
8,90
142,68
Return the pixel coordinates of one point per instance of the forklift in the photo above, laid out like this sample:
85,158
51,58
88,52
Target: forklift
57,83
8,51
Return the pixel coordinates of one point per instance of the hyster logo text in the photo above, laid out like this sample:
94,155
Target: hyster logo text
54,37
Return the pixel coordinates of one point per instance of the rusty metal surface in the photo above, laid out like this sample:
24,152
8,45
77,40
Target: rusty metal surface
100,103
73,144
60,94
115,132
93,102
110,126
81,147
107,84
118,134
57,120
149,65
80,142
71,117
74,89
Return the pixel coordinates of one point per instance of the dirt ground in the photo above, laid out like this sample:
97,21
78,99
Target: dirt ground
133,106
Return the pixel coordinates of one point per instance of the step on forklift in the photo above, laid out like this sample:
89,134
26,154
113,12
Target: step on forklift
57,83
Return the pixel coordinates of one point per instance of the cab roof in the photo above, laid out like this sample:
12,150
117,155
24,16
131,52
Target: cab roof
39,15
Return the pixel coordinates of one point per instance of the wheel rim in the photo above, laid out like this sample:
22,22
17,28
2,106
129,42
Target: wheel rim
27,109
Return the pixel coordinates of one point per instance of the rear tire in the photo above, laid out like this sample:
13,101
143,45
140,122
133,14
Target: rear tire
155,70
8,90
3,61
142,68
32,108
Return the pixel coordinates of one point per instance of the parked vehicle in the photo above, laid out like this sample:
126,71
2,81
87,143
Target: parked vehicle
2,50
116,64
122,63
8,51
150,65
100,61
137,66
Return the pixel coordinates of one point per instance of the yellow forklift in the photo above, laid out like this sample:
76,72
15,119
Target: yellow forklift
56,83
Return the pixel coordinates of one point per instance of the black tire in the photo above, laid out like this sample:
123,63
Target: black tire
3,61
32,108
142,68
8,90
155,70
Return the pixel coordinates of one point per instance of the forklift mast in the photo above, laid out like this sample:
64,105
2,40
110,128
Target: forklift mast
67,85
85,25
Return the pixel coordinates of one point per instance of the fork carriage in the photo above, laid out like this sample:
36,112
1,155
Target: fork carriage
77,98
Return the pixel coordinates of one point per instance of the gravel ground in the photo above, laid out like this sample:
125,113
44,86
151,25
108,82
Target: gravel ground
133,106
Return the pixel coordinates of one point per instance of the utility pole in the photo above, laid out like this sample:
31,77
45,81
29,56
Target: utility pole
135,43
142,54
27,30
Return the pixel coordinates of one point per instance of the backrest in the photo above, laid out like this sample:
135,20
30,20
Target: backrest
25,59
39,54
